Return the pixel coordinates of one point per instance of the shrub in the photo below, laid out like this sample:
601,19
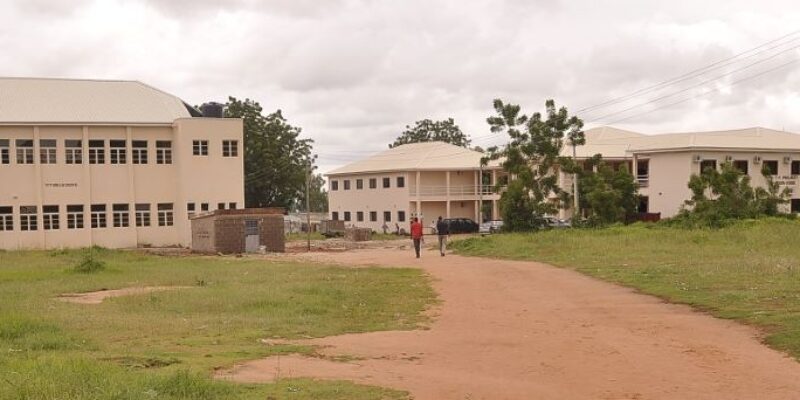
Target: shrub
89,264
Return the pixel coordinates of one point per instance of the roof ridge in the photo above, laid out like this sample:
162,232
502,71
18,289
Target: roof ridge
32,78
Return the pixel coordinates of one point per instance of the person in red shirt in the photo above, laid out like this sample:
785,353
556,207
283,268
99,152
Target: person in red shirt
416,234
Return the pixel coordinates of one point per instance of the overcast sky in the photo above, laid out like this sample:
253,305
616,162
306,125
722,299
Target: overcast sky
352,74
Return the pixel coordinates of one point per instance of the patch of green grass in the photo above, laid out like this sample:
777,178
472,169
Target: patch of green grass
166,344
749,271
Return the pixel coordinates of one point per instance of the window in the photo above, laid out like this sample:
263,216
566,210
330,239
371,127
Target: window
190,209
741,165
795,207
360,216
165,214
387,183
231,206
334,185
4,156
387,216
73,151
142,214
347,184
97,152
50,217
706,164
335,216
401,216
347,216
6,218
47,151
120,215
200,147
401,181
139,151
770,167
98,216
75,216
117,153
24,151
359,184
203,206
27,218
795,167
373,183
163,152
373,216
230,148
220,206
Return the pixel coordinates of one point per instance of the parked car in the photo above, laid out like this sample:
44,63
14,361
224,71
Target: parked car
490,227
554,222
462,225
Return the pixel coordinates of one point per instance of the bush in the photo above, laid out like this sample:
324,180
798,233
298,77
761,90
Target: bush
89,264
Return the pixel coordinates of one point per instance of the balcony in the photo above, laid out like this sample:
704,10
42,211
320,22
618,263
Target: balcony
643,180
455,191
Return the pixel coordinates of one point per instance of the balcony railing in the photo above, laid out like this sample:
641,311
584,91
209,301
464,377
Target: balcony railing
643,180
455,191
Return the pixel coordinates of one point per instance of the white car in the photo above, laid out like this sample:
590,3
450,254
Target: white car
490,227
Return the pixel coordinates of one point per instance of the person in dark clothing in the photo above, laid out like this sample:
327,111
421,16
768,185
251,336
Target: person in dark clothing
443,230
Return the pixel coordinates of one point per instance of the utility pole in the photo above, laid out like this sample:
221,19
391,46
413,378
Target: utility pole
575,209
308,208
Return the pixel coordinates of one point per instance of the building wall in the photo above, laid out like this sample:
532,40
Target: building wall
380,199
210,179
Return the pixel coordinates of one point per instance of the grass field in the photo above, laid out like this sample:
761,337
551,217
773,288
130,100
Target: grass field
749,271
165,345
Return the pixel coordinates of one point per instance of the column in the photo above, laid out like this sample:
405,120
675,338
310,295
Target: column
447,193
419,186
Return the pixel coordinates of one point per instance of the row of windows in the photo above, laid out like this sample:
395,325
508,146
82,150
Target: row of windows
98,216
373,216
373,183
191,208
770,166
117,151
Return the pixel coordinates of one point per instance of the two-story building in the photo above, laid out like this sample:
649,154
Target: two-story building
109,163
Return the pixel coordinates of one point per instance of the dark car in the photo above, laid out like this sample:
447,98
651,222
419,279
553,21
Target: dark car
462,225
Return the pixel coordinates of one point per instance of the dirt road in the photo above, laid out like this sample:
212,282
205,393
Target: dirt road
523,330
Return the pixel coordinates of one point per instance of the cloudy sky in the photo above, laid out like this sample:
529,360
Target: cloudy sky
353,73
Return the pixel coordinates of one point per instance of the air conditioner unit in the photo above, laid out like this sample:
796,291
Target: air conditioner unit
787,160
728,159
697,159
757,160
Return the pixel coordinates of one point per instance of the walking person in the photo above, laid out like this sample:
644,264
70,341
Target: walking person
416,234
443,230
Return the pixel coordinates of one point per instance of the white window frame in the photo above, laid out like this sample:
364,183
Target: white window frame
75,217
28,218
166,216
163,152
200,147
142,215
99,216
230,148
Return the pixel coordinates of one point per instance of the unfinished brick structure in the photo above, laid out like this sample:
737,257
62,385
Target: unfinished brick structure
238,231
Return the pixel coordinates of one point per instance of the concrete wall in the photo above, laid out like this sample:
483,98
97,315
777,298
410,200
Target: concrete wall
380,199
225,233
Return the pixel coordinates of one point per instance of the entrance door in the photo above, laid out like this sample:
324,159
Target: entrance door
252,239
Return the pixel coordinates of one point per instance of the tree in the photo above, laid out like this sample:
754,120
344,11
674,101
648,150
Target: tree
318,196
276,160
607,195
433,131
531,158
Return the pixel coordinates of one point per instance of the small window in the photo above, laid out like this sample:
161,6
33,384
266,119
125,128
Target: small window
770,167
120,215
97,152
190,209
47,151
139,151
373,183
165,217
346,184
50,219
360,216
4,152
401,216
75,216
334,185
99,216
220,206
373,216
795,206
203,207
387,216
200,147
741,165
387,183
24,151
795,167
359,184
401,181
163,152
6,218
142,215
708,164
117,152
28,220
231,206
73,151
347,216
335,216
230,148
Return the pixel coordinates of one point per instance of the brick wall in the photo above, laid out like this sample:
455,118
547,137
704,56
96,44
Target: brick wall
225,232
272,235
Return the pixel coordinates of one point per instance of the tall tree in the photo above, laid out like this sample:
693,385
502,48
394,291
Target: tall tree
531,157
607,195
318,196
276,159
433,131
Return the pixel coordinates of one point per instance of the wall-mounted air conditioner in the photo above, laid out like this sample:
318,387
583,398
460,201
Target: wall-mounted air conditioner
697,158
757,160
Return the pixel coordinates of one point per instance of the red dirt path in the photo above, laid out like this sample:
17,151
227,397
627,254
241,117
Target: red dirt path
525,330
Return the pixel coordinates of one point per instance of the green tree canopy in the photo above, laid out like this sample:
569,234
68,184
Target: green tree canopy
607,195
276,159
531,157
433,131
318,196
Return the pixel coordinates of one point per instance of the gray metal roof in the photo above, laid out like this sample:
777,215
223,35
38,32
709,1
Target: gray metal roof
50,101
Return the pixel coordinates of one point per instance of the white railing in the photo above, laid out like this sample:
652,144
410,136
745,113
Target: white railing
643,180
455,191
